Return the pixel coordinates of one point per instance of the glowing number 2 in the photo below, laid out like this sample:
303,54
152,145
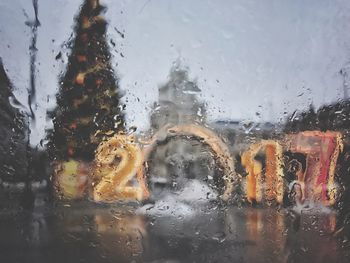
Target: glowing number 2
113,177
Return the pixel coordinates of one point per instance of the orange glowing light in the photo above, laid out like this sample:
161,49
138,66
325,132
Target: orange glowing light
80,78
71,179
81,58
85,23
73,125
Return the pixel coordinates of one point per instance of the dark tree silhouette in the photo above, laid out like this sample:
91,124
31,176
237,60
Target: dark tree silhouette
13,134
88,100
333,117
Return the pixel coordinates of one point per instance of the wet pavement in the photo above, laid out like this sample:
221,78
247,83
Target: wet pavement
88,232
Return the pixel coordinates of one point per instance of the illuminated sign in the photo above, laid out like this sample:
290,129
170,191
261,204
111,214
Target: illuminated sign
120,159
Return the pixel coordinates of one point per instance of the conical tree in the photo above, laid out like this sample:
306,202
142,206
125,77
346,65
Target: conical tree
88,99
13,134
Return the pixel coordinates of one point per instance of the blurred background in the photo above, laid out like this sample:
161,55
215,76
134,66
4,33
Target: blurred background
252,89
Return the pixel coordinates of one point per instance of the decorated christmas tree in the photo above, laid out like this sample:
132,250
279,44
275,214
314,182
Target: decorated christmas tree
88,102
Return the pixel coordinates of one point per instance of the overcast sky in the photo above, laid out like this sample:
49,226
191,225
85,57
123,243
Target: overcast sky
248,56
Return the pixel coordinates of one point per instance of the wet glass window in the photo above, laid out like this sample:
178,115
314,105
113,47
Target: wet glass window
174,131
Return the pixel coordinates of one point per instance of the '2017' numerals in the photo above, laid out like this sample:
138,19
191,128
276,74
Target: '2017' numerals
120,159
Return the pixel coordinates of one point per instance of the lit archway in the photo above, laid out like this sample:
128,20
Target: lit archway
207,137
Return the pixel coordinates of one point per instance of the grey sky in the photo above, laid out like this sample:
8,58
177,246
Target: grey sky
268,56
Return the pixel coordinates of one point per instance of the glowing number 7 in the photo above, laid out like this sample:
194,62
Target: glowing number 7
322,150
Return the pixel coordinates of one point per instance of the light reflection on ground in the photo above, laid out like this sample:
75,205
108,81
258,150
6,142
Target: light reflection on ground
86,232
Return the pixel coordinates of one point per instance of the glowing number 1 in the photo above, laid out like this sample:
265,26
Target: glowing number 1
272,185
